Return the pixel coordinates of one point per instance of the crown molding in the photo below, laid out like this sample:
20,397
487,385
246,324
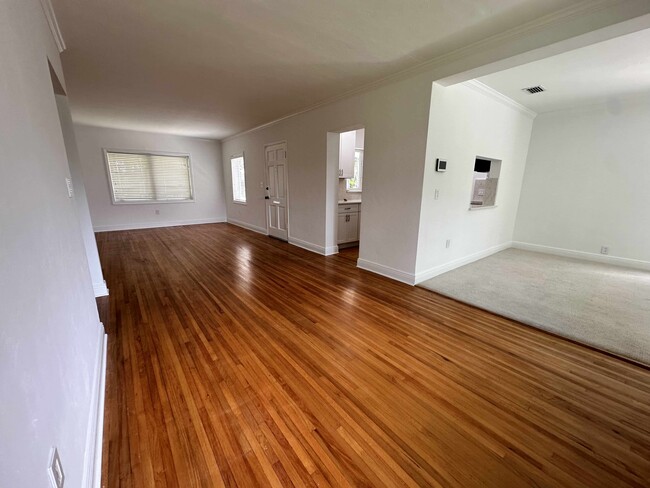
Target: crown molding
53,24
510,36
499,97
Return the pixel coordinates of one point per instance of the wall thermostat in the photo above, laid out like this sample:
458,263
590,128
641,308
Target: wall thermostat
441,165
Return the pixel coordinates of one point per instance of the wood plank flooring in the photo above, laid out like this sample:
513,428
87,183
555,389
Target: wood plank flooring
239,360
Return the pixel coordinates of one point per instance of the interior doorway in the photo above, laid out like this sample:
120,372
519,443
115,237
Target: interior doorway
277,186
346,153
76,187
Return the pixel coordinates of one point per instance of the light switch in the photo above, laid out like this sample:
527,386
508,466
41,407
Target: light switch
436,194
68,184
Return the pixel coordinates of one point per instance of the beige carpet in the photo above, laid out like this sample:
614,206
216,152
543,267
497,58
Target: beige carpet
605,306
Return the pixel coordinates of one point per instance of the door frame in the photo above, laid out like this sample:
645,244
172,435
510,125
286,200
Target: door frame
266,185
331,226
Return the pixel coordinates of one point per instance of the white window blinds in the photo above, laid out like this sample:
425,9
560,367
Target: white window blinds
238,179
142,177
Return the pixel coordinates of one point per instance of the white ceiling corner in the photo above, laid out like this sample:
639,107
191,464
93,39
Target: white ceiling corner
614,69
500,97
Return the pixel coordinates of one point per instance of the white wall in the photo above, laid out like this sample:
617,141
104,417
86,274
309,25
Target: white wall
50,334
587,181
83,212
395,118
466,122
205,157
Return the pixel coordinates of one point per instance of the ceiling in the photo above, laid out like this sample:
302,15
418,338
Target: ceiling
603,72
212,68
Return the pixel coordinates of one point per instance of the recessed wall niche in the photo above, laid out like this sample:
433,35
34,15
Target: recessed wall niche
485,182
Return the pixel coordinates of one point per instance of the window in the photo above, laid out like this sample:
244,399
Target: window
354,183
147,177
238,179
485,181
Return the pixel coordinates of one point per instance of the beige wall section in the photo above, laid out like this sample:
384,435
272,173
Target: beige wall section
205,156
466,123
50,334
586,182
395,118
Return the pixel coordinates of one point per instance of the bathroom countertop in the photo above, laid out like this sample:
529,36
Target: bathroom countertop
343,202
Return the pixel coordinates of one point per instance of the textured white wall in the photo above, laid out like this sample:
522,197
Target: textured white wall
205,156
465,123
395,118
49,327
587,181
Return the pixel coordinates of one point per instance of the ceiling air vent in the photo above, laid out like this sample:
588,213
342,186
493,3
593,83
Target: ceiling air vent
534,89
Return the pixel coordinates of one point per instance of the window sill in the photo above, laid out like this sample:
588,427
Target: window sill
239,203
152,202
481,207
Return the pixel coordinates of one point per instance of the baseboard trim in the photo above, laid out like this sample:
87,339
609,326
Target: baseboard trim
246,225
457,263
386,271
155,225
95,435
329,250
309,246
587,256
101,290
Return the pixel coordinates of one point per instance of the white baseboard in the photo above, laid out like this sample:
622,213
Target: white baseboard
155,225
100,289
457,263
386,271
329,250
246,225
588,256
94,437
309,246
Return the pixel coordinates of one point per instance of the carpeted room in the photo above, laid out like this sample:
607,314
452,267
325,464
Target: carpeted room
601,305
573,206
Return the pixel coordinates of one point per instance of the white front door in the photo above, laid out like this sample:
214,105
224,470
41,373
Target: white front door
276,203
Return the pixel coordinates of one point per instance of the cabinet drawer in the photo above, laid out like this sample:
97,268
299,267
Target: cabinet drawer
348,207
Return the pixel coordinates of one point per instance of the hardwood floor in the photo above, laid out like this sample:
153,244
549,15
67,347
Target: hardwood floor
238,360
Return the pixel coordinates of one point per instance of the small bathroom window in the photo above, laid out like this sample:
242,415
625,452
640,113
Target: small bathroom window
485,182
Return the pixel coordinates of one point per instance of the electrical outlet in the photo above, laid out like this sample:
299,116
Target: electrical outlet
55,469
157,212
436,194
604,250
448,243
